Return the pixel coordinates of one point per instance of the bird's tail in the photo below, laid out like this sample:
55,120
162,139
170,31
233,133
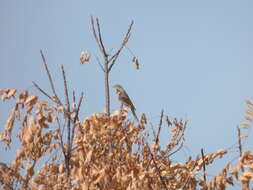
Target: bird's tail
135,116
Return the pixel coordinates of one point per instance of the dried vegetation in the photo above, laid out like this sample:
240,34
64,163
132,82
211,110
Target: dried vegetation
106,152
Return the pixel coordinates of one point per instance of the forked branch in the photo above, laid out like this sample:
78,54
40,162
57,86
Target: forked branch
123,44
109,61
71,121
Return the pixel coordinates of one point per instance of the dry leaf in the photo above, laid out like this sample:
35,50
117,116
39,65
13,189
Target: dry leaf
84,57
136,63
246,126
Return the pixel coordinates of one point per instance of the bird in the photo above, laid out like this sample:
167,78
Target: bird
124,99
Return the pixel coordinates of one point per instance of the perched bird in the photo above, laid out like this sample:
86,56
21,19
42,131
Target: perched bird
124,98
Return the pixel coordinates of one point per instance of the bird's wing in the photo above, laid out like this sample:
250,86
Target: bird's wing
126,100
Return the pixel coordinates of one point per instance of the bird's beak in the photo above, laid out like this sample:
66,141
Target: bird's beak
117,90
115,86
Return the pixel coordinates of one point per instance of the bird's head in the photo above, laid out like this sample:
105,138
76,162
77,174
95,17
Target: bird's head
118,88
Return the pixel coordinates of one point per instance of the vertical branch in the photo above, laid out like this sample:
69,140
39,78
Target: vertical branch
61,140
95,34
74,98
68,117
100,39
204,164
245,184
159,128
48,73
107,91
76,119
239,143
107,60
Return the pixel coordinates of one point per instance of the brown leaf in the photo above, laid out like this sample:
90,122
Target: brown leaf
246,126
84,57
136,63
31,100
11,93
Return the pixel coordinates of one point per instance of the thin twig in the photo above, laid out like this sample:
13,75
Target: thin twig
76,118
100,64
95,35
79,106
130,51
240,143
74,108
159,128
204,164
179,148
153,130
48,73
68,116
100,38
74,97
61,141
65,89
124,42
42,91
55,97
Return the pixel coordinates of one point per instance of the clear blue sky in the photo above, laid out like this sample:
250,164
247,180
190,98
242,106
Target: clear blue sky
196,58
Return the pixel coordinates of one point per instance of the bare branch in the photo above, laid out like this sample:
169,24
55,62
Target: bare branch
179,148
123,43
106,67
66,90
76,118
79,105
153,130
131,52
55,97
100,38
61,141
74,97
107,91
101,47
69,118
48,73
42,91
95,33
204,164
159,128
240,143
100,64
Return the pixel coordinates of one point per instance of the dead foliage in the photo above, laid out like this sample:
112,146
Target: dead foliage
107,152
